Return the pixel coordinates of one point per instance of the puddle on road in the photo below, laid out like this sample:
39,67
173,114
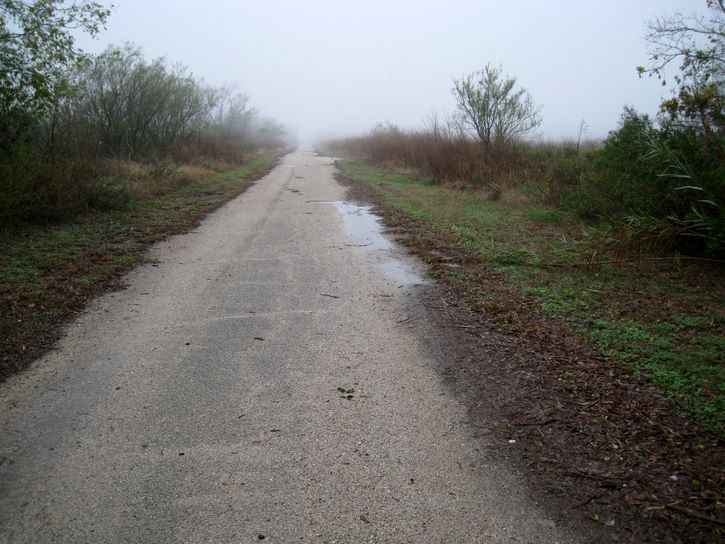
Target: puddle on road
366,230
401,273
363,226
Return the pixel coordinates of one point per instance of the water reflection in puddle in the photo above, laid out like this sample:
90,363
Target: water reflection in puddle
365,229
401,273
363,226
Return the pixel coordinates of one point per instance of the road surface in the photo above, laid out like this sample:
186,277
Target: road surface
265,377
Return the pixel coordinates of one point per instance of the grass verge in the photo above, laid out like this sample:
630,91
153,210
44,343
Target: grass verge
665,322
48,272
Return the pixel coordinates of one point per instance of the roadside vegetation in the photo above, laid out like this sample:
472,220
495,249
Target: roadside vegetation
99,156
623,239
124,119
664,319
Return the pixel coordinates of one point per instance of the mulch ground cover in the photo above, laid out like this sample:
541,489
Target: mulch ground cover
594,439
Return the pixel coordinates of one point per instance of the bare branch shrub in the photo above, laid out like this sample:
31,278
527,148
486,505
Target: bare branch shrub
493,110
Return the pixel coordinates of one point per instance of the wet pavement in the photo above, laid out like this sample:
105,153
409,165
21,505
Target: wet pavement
266,376
366,230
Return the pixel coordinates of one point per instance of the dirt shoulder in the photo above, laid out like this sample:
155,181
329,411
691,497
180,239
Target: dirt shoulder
49,272
595,440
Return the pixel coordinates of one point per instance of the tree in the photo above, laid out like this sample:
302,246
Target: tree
489,105
696,46
231,114
36,51
135,105
269,130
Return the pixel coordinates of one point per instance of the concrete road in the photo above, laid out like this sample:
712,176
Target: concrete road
260,378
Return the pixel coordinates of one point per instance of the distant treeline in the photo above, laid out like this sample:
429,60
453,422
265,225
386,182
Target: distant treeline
54,160
124,105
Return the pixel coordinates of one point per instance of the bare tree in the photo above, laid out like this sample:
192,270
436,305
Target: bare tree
582,130
697,43
694,46
231,114
491,107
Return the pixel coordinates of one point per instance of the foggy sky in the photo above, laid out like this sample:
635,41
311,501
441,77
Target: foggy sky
333,67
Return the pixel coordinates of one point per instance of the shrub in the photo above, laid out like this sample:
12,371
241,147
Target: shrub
108,193
623,181
44,190
663,185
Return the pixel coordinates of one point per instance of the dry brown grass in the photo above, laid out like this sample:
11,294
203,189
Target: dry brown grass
447,156
189,174
458,161
121,168
147,180
229,150
211,163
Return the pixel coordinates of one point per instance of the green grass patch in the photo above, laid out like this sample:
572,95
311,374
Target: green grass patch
47,272
544,215
662,321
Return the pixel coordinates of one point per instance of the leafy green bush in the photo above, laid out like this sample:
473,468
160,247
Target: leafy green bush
650,176
622,182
